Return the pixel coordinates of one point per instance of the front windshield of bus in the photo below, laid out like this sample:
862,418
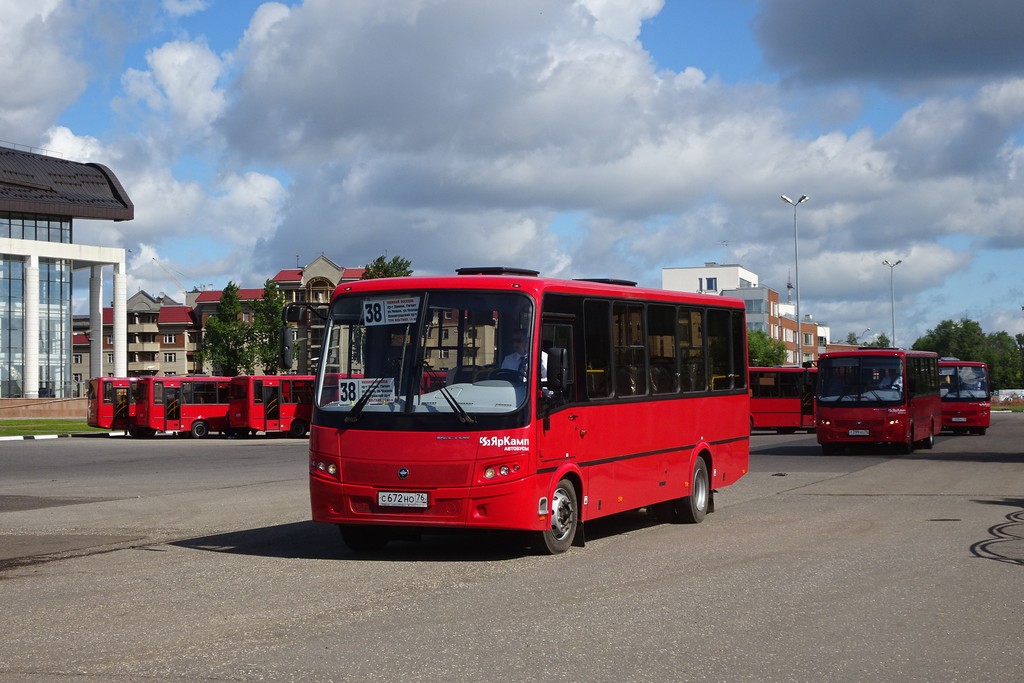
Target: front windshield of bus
860,379
963,382
454,352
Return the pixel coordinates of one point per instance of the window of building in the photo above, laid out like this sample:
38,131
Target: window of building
77,359
170,338
170,358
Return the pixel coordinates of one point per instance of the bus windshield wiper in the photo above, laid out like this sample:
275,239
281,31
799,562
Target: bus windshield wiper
453,402
357,409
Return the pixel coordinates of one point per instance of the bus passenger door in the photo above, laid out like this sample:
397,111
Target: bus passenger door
121,412
172,409
271,408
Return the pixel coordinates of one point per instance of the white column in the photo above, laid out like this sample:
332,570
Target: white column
120,319
30,389
96,321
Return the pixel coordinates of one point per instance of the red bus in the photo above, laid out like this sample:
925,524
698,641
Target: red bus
639,400
966,401
111,402
878,396
187,404
782,398
271,403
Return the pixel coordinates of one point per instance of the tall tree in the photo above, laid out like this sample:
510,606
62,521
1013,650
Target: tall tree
881,341
1002,355
962,339
225,338
763,351
264,334
382,267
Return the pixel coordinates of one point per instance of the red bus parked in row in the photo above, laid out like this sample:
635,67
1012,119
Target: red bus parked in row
191,404
111,402
782,398
966,401
271,403
497,399
878,396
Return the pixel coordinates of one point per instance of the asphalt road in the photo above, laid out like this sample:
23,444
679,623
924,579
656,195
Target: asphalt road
172,559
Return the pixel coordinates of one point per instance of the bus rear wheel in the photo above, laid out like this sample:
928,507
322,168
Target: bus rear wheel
200,430
565,519
298,428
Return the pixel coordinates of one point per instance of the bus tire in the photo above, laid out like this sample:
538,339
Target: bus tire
565,519
907,447
297,428
200,430
929,441
694,508
364,538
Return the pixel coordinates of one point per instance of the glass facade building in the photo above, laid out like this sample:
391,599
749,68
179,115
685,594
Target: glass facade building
54,308
40,197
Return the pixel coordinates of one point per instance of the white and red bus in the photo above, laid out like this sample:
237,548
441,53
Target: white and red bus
782,398
878,396
111,402
966,401
271,403
497,399
187,404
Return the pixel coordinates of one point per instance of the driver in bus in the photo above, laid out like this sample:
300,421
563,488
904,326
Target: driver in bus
519,360
891,381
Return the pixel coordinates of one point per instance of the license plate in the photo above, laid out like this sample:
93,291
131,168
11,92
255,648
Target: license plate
959,419
859,432
402,499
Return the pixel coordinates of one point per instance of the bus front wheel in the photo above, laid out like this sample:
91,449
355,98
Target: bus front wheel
565,518
694,508
200,430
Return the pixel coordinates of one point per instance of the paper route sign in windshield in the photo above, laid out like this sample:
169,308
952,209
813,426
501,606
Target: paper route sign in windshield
390,310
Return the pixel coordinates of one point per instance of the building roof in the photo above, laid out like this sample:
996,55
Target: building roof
39,184
175,315
78,339
289,275
352,273
244,294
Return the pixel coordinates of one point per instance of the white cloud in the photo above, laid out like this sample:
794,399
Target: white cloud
38,78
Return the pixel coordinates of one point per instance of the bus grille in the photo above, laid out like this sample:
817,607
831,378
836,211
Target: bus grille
423,474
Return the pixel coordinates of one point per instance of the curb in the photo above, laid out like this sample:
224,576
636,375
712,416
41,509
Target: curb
44,437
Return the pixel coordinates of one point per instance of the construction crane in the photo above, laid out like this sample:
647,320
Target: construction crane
184,292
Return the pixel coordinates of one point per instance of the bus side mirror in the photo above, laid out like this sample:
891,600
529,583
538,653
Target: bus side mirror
292,313
285,349
557,370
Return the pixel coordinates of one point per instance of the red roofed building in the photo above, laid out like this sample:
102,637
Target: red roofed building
163,335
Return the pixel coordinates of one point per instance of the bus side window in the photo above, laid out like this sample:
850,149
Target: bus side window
598,340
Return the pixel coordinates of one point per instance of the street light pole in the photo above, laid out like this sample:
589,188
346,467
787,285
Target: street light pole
892,295
796,259
862,337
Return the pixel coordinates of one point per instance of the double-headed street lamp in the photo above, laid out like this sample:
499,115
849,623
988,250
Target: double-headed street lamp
892,296
796,258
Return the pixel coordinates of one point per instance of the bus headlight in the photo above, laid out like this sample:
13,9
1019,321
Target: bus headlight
495,471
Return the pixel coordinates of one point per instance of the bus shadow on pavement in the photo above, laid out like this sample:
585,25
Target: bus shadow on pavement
314,541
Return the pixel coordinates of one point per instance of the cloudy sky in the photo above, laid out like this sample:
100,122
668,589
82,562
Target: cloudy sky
579,138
